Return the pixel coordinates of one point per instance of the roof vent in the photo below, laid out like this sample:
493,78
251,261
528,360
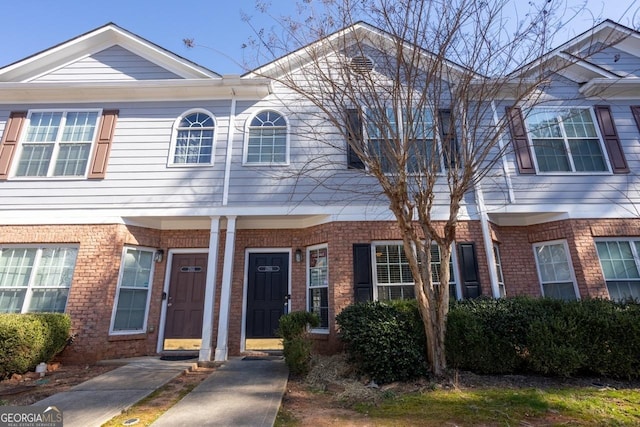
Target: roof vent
361,64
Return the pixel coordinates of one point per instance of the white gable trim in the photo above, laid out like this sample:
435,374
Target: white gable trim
96,41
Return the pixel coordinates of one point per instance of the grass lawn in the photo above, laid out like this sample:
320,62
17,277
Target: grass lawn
493,406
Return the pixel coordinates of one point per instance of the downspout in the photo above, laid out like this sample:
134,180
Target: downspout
227,165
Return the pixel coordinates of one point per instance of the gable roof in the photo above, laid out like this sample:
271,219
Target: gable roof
574,60
359,32
95,41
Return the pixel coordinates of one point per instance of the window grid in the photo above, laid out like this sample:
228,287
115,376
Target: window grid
57,143
267,140
565,140
195,139
132,302
555,271
620,262
35,279
393,277
318,284
416,127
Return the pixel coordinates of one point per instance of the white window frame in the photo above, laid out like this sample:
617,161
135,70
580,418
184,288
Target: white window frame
500,275
119,286
634,251
437,139
453,280
247,130
56,144
174,140
572,275
34,269
567,148
309,249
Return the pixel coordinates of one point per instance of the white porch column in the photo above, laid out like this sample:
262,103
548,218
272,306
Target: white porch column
210,291
225,292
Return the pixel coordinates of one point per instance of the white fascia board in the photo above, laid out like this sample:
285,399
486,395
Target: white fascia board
621,88
134,90
198,218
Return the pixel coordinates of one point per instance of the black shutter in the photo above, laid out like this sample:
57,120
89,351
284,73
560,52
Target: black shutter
469,270
611,139
449,142
354,136
520,142
362,283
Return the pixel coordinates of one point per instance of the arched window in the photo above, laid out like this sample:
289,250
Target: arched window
267,140
194,137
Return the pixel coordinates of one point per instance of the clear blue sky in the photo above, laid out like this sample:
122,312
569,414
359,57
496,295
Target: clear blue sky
30,26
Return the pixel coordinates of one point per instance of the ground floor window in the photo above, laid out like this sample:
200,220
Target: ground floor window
318,283
554,270
392,275
620,261
498,261
35,279
134,285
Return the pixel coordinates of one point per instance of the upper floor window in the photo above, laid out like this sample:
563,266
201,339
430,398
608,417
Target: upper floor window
392,275
415,126
555,271
267,141
35,279
620,261
57,144
565,140
194,139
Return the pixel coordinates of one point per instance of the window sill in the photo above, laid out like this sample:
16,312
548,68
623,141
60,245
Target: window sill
127,336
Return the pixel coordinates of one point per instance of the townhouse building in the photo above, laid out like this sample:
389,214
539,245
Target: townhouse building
162,205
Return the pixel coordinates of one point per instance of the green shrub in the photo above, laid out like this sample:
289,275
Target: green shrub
545,336
295,340
28,339
384,341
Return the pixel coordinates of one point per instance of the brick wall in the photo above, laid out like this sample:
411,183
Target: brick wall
518,261
92,294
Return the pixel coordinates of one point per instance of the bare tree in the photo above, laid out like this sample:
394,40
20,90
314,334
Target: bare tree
418,92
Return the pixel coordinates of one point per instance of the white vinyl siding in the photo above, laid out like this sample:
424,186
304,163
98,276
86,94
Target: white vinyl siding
555,271
620,261
318,284
566,140
134,289
57,144
35,279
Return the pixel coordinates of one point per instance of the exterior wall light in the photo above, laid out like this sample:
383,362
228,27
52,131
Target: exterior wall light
298,255
157,257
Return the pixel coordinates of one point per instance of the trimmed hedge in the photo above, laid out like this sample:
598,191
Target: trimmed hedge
384,341
28,339
545,336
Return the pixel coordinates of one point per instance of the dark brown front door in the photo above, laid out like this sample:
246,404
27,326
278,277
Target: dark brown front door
185,301
267,287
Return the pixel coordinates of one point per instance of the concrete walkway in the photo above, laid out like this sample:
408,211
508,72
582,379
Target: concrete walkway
242,392
101,398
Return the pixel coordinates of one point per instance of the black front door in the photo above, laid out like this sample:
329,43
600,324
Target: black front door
267,287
